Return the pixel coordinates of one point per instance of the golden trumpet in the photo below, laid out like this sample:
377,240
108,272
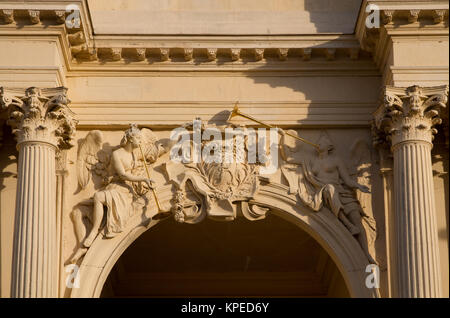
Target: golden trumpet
161,213
237,112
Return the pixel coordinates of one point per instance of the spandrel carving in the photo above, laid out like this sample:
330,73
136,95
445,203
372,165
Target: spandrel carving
219,188
126,191
323,180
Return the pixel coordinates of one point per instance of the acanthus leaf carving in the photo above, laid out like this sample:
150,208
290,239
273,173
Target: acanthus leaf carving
413,15
60,16
140,54
34,16
164,54
235,54
439,16
87,158
188,54
212,54
36,116
410,114
259,54
387,16
282,54
8,15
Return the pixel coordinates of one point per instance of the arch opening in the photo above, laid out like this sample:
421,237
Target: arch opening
323,227
270,257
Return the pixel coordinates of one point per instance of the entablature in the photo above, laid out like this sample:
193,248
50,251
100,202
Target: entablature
383,24
84,50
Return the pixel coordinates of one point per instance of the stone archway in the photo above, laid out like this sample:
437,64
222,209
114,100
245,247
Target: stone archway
322,226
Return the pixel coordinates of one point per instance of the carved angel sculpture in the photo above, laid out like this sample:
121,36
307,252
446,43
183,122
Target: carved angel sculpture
324,180
124,193
360,169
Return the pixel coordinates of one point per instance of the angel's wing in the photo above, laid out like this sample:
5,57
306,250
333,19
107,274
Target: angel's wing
294,156
292,148
88,156
361,165
149,145
360,169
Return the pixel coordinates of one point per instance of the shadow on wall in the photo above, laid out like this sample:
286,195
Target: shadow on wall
357,152
8,181
9,155
327,15
307,67
440,159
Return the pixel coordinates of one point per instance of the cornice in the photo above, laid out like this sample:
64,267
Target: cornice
402,20
85,51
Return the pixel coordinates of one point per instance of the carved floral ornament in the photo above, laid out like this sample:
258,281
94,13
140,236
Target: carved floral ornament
40,115
410,114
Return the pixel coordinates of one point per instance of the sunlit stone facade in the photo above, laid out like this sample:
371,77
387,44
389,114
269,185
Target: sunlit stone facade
93,204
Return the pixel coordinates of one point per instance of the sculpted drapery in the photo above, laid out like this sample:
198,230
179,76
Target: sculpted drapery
323,180
125,191
220,191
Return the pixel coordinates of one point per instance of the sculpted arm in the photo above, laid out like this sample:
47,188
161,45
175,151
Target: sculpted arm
285,150
347,179
120,170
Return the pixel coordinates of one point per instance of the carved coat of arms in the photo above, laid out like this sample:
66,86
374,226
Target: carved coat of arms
215,189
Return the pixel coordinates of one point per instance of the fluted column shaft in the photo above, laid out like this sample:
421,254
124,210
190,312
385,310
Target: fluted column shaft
43,125
418,273
407,118
35,252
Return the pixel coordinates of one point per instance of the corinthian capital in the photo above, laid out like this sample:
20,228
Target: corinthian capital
410,114
40,115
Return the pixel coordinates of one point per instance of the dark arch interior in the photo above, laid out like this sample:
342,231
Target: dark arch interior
271,257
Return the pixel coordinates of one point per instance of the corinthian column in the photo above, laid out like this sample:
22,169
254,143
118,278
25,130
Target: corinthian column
407,117
42,124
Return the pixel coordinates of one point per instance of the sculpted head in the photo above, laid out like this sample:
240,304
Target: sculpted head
132,136
35,99
324,143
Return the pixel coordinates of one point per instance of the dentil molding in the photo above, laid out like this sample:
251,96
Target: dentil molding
86,47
